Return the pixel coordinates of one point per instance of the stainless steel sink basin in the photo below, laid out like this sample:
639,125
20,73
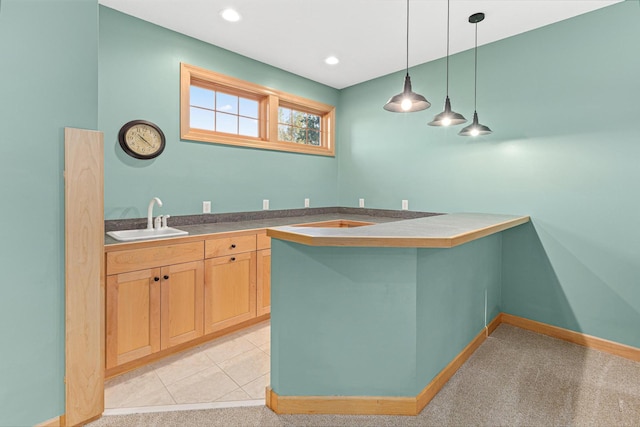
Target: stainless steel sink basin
144,234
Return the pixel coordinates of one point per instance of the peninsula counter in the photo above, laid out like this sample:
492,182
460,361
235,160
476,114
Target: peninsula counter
370,319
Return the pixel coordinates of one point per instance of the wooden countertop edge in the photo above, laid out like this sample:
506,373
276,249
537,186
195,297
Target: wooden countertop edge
395,241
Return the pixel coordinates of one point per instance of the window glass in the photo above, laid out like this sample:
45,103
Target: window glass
201,97
227,123
202,119
248,127
249,108
227,103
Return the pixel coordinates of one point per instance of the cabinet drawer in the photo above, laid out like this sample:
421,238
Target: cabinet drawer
263,241
229,245
140,259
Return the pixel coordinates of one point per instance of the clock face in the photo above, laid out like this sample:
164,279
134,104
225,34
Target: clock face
141,139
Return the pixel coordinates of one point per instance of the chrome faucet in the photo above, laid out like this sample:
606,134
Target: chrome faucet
150,212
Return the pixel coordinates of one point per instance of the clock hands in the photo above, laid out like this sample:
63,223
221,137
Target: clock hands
142,138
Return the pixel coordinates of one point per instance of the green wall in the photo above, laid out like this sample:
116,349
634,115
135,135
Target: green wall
562,102
349,321
139,79
48,81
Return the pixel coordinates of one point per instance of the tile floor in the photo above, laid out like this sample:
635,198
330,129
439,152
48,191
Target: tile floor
231,369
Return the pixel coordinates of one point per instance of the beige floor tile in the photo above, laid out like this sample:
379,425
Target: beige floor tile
182,365
259,336
266,348
157,397
256,388
141,387
246,367
205,386
236,395
225,349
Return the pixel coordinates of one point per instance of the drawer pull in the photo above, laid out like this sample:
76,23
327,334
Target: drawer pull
166,277
233,258
155,279
233,246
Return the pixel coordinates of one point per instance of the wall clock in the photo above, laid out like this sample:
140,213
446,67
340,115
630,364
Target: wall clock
141,139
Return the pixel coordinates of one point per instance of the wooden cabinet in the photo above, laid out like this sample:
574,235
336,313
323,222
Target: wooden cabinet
230,289
161,296
132,316
182,290
263,279
263,273
152,309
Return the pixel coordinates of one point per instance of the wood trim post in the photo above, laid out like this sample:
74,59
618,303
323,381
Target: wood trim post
84,275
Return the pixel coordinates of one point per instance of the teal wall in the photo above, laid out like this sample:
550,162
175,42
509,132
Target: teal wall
139,79
315,292
458,295
48,81
350,321
562,102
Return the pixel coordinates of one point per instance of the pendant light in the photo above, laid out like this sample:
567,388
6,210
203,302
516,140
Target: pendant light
447,117
475,128
407,101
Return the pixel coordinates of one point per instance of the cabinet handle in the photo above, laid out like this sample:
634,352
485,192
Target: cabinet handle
155,279
233,246
233,258
166,277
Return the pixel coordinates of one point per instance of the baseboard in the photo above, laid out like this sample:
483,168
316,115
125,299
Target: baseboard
579,338
377,405
53,422
385,405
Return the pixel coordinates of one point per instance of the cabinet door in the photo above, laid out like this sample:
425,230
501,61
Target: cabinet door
263,274
230,291
132,315
182,291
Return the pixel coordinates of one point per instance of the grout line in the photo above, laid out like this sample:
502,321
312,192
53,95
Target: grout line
183,407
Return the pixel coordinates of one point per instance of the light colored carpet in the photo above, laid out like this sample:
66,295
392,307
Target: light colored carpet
516,378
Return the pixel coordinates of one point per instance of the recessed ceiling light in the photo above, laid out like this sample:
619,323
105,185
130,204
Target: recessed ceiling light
331,60
230,15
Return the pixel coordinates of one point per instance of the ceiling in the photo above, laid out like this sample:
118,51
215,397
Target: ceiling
368,36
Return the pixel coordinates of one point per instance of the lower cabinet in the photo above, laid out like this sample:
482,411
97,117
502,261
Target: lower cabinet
182,290
150,310
165,295
229,291
263,294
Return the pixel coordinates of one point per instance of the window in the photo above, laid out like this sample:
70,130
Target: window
223,110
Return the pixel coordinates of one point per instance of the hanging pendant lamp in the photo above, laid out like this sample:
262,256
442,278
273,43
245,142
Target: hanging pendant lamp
447,117
407,101
475,128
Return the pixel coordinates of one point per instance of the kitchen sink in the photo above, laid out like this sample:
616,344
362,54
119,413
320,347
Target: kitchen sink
144,234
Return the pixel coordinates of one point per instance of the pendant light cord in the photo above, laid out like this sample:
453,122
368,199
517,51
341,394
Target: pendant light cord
448,48
475,83
407,37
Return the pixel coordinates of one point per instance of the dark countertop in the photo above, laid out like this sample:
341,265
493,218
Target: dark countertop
199,225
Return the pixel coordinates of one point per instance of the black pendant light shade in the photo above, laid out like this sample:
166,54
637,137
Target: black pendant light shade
447,117
475,128
407,101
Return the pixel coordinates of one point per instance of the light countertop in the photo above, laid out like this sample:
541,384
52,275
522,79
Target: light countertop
442,231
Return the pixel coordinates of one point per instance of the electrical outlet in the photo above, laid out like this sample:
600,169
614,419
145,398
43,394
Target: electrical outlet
206,207
306,203
405,205
265,205
361,203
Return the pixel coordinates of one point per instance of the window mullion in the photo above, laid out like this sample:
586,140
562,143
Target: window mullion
272,119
